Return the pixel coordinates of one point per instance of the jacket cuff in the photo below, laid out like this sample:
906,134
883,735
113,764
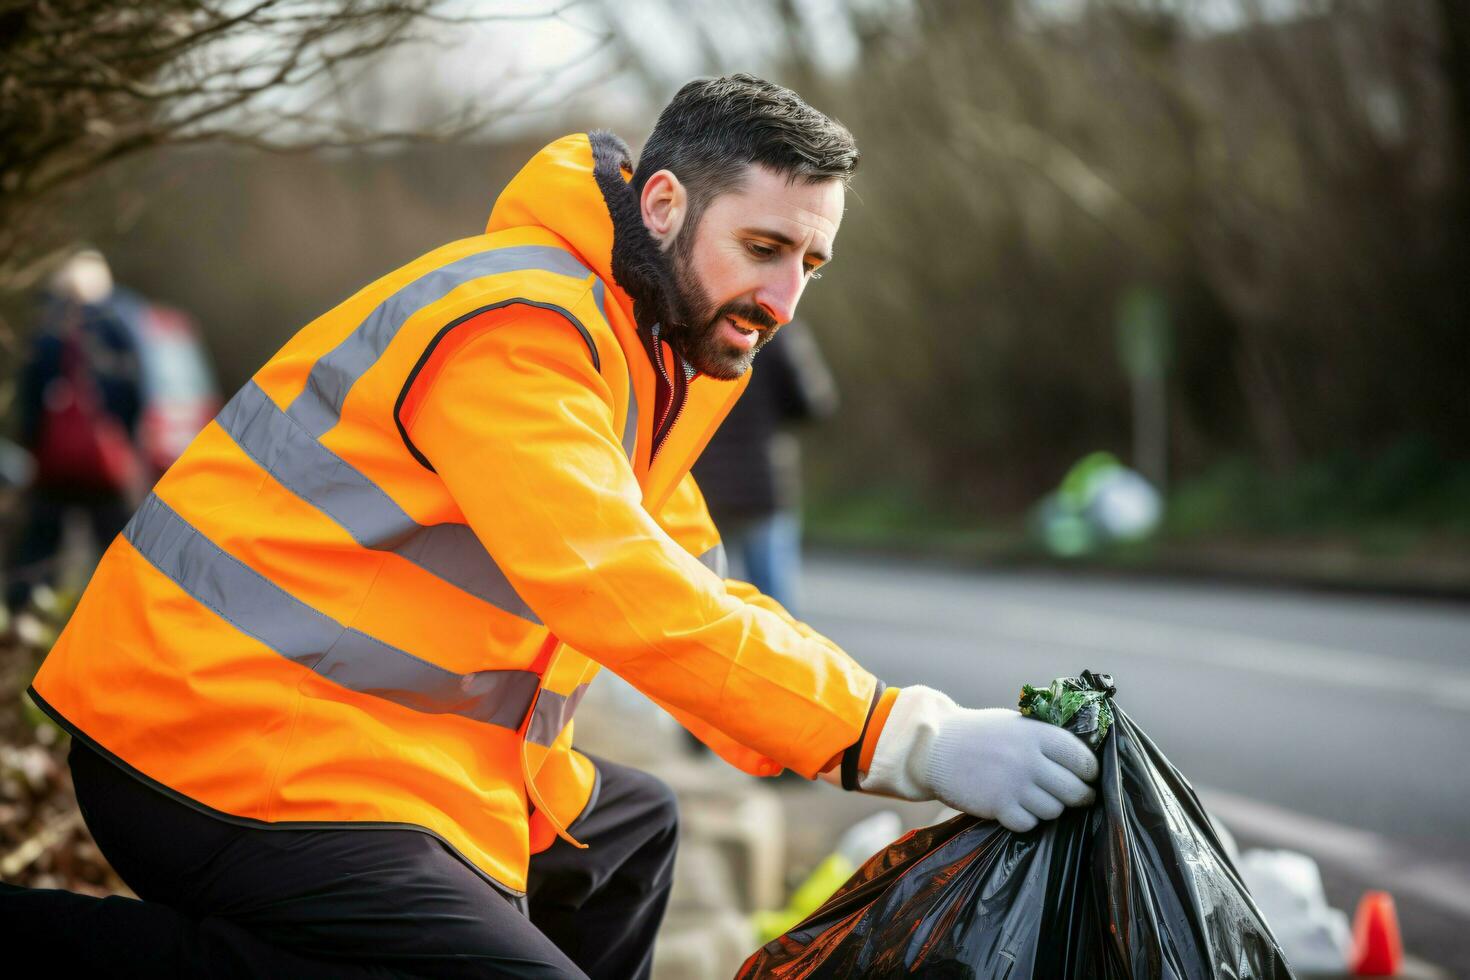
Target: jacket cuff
900,763
876,722
853,755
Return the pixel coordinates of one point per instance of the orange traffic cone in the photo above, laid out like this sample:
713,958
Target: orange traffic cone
1378,951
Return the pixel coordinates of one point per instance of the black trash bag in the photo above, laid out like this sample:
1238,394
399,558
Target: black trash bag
1135,886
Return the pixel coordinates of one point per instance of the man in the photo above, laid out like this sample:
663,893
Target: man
80,401
322,686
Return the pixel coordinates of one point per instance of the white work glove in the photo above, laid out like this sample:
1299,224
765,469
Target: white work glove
993,763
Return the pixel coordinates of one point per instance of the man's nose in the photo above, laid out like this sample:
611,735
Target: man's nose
779,295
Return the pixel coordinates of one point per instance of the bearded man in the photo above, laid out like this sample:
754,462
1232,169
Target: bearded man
322,686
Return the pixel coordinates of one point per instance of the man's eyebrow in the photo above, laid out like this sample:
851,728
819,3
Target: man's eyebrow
788,241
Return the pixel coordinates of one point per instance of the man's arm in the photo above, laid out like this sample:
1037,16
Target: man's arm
686,519
520,427
918,744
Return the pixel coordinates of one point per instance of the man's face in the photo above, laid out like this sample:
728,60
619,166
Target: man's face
739,271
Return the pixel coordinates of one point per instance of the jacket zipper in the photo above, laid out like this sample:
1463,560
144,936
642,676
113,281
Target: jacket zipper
677,392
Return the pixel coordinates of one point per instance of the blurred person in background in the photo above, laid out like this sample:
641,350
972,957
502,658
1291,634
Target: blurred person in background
751,470
79,401
321,690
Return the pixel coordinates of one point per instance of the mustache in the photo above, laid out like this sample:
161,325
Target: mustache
751,314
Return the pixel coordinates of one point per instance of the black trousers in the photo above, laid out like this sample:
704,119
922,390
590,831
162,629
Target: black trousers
226,900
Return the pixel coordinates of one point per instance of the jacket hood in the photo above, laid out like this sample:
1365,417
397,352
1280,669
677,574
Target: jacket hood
578,188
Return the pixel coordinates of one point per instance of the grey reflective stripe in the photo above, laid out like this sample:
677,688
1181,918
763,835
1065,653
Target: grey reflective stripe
261,609
323,479
319,406
630,427
716,561
552,713
599,294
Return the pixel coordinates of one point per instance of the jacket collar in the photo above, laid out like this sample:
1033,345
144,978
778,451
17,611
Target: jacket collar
579,189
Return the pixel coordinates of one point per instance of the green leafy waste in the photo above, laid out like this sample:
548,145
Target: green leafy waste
1079,704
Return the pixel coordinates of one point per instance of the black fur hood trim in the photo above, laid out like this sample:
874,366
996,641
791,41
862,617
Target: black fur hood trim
638,264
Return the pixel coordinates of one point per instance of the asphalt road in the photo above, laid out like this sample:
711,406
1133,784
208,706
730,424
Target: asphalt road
1331,724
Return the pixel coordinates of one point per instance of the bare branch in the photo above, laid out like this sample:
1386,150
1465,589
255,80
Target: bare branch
85,85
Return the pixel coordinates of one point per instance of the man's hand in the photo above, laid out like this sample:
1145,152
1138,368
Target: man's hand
992,763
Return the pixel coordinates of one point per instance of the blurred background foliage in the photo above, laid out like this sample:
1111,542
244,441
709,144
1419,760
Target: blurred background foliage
1294,187
1289,181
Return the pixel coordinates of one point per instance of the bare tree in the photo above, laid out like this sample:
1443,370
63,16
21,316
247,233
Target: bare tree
84,84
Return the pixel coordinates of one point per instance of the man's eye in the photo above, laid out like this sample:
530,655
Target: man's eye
760,251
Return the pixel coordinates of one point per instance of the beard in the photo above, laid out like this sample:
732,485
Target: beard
693,325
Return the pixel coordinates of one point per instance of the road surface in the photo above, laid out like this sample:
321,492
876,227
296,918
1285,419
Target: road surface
1331,724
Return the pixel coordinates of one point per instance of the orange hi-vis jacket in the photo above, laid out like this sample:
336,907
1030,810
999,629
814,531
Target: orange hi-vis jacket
372,592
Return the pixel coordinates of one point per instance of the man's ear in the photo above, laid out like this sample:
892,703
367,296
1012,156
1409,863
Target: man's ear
663,206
